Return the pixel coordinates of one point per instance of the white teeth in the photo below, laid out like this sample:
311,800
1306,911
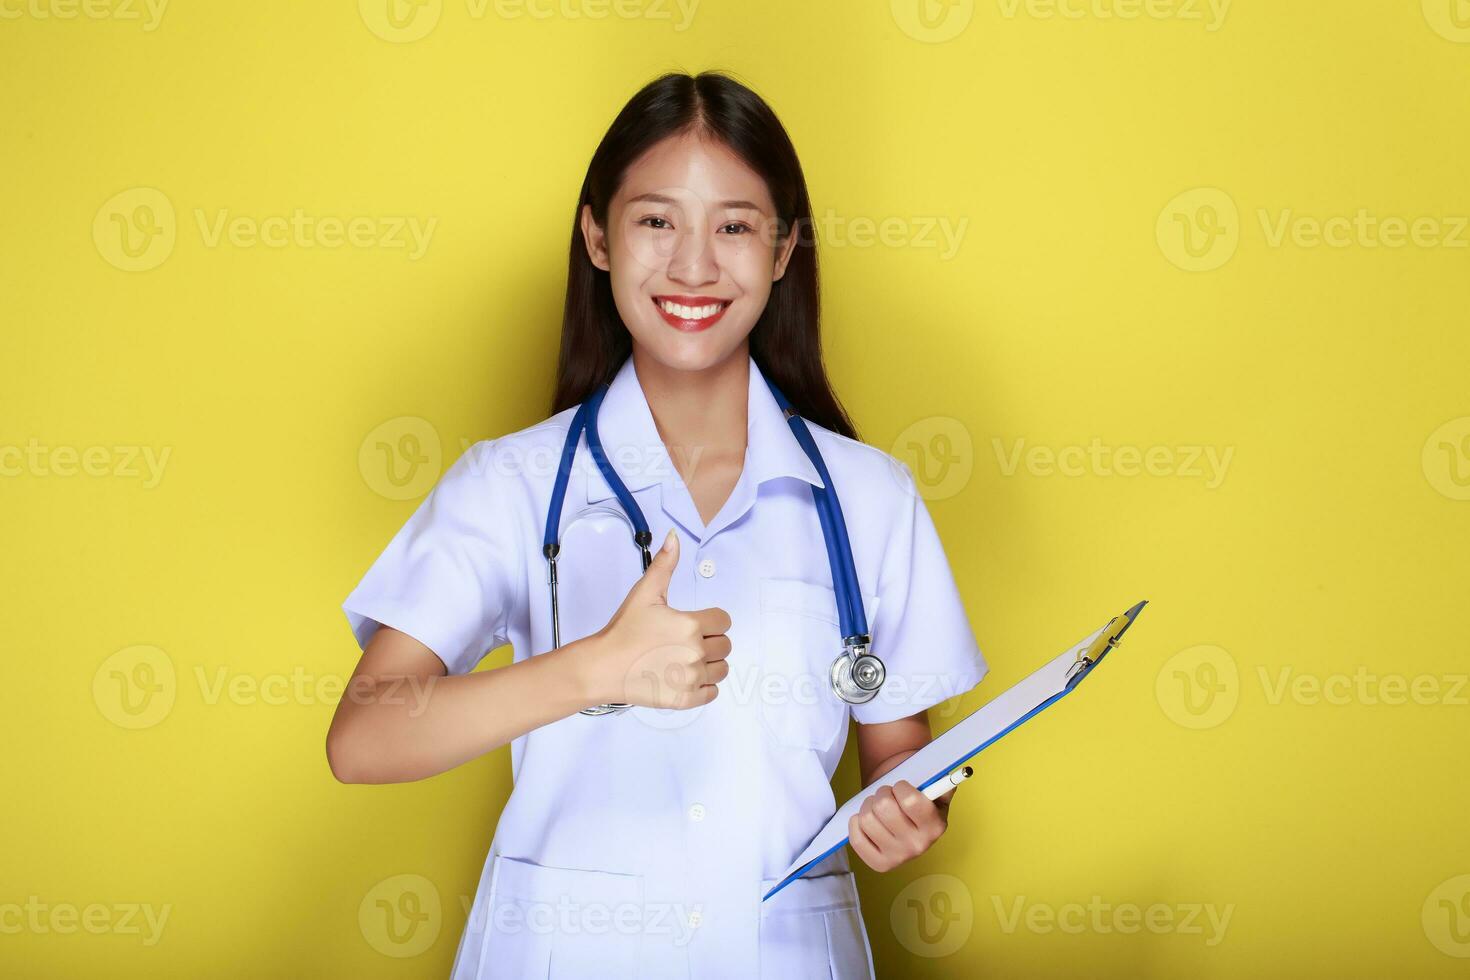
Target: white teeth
690,312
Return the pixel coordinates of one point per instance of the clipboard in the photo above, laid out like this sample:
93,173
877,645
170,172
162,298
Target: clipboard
1002,714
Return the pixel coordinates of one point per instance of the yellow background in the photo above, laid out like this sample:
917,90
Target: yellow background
1075,150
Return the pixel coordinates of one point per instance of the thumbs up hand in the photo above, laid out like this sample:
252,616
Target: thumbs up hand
653,655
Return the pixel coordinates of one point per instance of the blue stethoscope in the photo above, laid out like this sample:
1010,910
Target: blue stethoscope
856,674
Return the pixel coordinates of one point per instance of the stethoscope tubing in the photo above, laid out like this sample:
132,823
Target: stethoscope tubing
853,619
642,536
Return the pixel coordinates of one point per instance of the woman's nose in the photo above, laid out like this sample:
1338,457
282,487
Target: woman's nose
693,262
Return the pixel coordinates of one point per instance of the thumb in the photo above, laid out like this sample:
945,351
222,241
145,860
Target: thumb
654,585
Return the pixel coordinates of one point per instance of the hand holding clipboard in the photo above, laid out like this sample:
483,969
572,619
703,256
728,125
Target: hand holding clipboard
1004,712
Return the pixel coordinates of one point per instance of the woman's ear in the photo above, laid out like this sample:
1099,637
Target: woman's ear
595,238
784,248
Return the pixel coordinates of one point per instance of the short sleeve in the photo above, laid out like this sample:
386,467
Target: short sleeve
920,629
452,576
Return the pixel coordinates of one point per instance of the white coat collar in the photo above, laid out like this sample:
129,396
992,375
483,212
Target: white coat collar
630,437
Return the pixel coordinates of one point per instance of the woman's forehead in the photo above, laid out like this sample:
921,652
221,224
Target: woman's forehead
686,168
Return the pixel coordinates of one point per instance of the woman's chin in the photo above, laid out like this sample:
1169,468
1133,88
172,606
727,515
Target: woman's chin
681,351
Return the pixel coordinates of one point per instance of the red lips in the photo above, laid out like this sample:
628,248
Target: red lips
691,324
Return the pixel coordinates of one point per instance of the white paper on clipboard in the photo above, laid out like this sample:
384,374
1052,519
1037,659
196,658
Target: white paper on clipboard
967,738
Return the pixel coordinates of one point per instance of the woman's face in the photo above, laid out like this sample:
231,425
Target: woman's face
692,247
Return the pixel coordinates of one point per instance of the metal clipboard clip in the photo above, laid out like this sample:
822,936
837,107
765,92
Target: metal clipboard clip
1098,648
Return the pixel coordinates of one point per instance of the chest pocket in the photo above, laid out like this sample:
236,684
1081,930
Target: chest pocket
799,640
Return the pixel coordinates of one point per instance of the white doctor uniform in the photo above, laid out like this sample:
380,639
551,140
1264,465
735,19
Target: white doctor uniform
640,844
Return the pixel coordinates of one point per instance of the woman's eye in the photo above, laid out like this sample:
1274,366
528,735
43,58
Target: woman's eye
655,222
740,227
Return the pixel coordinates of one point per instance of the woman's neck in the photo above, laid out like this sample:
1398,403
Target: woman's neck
701,418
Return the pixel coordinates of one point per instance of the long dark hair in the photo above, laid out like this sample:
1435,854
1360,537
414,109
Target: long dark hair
785,342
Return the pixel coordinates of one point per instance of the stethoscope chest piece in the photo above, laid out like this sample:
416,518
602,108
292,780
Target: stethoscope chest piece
857,674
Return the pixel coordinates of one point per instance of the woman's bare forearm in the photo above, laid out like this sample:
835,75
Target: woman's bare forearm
883,746
399,721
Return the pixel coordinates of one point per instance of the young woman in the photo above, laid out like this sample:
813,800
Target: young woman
639,841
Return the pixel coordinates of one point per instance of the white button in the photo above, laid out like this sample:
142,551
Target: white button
707,568
695,918
696,812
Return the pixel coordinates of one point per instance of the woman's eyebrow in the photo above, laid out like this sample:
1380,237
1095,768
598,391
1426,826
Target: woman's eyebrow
664,199
653,198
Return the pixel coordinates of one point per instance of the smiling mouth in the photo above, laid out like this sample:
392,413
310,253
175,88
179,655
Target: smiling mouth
690,313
